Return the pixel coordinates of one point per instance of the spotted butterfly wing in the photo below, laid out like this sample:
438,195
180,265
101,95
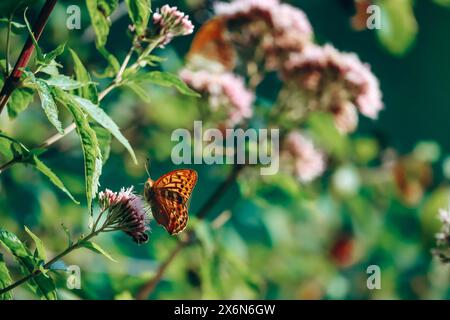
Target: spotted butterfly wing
168,197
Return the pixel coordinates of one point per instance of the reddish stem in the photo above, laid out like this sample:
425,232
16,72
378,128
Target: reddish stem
13,79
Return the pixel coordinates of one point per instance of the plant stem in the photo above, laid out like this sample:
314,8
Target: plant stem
14,78
150,286
34,274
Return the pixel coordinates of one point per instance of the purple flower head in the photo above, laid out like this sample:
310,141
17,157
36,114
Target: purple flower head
126,212
171,23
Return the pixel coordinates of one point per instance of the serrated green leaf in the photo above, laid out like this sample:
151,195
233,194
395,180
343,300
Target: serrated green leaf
41,285
19,101
139,12
38,164
5,279
104,120
40,249
104,141
64,82
164,79
99,11
49,105
90,91
94,247
398,25
89,144
47,102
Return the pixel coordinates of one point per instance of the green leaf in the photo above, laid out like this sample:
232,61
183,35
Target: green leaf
103,119
39,53
19,101
165,79
398,25
16,27
139,11
90,91
97,249
38,164
99,11
41,285
40,249
444,3
49,105
104,141
113,64
47,102
139,91
67,232
11,148
64,82
327,136
43,58
5,279
89,144
50,56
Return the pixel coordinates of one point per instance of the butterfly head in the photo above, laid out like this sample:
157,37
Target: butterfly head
147,188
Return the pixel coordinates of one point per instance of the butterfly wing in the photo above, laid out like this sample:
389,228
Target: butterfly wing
170,213
210,43
171,194
180,182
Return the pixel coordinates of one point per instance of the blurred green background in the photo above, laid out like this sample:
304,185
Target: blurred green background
283,240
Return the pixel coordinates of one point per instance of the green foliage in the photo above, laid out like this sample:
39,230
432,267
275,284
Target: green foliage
139,11
20,100
94,247
39,165
89,144
399,26
47,101
102,118
164,79
5,279
99,11
82,75
41,285
40,249
104,141
445,3
16,27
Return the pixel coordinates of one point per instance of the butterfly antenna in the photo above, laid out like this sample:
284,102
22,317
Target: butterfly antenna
147,165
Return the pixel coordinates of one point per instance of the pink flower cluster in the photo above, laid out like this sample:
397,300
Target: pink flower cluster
126,212
336,82
308,162
285,28
225,92
171,23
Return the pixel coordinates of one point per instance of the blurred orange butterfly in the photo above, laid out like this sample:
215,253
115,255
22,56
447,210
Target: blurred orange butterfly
211,43
168,197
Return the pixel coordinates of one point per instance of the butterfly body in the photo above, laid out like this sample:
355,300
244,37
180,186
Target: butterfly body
168,197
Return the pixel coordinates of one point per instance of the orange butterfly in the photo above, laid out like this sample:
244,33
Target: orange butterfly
168,197
211,44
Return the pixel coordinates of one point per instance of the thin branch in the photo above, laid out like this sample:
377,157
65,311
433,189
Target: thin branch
37,272
150,286
14,78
